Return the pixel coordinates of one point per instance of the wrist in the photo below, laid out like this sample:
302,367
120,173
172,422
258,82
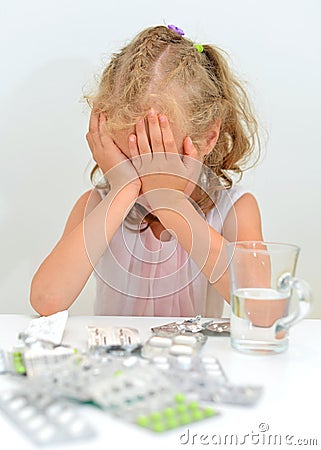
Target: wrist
123,176
161,199
131,189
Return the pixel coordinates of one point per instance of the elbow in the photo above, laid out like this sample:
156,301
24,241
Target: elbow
221,283
43,302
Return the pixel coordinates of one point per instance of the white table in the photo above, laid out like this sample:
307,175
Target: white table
289,406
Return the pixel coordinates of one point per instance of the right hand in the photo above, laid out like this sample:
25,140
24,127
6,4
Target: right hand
116,167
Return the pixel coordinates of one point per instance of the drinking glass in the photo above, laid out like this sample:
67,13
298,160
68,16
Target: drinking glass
266,297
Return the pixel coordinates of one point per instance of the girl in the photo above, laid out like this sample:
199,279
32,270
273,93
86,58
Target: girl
169,127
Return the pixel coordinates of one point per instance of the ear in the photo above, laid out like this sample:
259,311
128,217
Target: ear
211,138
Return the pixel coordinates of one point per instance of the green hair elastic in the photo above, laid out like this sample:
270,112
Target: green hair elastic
199,48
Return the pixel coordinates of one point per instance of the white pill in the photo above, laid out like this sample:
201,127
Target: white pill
158,341
186,340
181,350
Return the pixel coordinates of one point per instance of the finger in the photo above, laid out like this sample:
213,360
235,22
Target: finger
94,127
155,133
104,136
89,141
93,147
133,150
102,120
142,138
191,155
167,135
189,148
94,121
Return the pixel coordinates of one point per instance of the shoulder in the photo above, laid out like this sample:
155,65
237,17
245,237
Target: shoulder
87,202
243,221
82,207
225,200
233,205
232,195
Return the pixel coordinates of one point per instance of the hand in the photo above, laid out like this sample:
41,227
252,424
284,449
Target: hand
157,160
116,167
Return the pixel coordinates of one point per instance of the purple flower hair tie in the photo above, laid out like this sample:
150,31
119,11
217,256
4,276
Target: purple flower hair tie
176,29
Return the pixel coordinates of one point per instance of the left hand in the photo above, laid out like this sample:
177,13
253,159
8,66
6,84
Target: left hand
114,164
157,160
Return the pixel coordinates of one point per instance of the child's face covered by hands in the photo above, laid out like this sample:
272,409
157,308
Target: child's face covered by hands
121,137
162,156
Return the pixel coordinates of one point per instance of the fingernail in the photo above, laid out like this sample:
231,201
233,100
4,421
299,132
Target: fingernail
162,118
151,112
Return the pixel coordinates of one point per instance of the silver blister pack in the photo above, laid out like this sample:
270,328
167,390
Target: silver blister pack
44,419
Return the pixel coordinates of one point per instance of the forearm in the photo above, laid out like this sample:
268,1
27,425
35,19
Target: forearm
204,245
63,274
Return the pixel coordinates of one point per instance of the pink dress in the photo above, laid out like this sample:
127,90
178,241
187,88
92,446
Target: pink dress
139,275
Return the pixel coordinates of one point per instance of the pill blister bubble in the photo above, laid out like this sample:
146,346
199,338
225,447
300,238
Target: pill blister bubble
77,427
161,362
159,341
46,433
184,362
36,422
17,403
6,396
130,361
26,412
186,340
54,409
179,349
65,416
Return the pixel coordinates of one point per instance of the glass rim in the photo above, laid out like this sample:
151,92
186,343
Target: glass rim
273,246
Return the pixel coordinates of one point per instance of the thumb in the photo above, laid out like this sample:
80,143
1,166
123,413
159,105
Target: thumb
189,148
189,151
191,159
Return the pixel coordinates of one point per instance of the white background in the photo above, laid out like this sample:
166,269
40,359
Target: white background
50,53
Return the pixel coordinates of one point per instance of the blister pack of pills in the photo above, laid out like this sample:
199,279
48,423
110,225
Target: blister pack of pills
141,394
44,419
73,378
217,327
192,325
173,345
39,358
40,346
205,378
120,340
160,384
213,327
46,328
11,362
34,359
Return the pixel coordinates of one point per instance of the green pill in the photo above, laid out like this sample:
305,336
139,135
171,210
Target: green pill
172,422
156,416
185,419
179,398
193,405
169,412
208,412
180,409
197,414
143,421
158,426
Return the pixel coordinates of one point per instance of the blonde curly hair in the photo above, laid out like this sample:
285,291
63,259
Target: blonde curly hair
194,89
